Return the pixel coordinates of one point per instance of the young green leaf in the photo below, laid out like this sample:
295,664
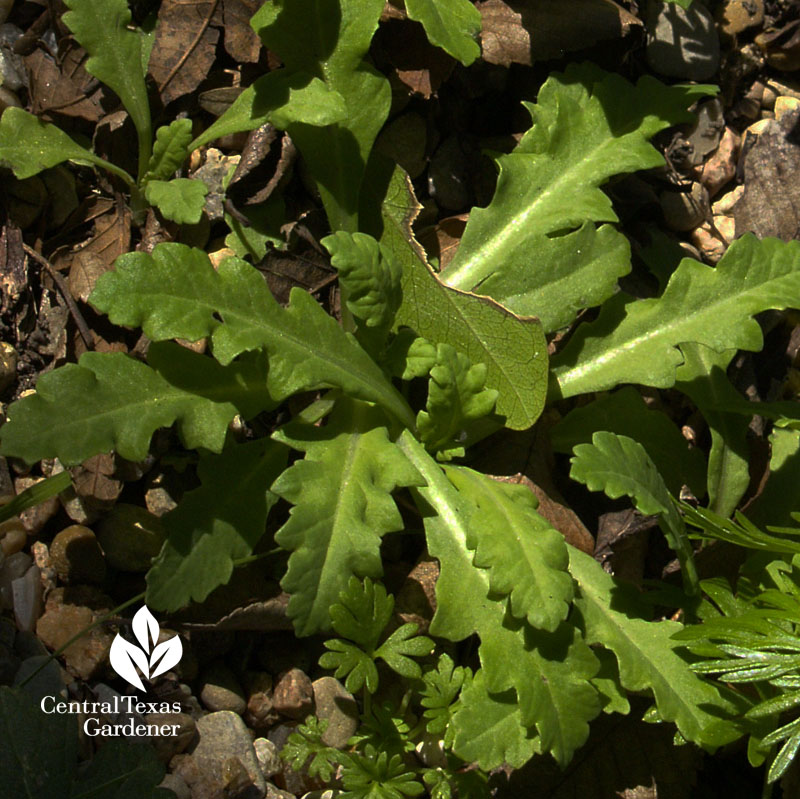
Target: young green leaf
376,775
330,39
175,292
612,616
452,25
307,743
588,126
280,97
488,729
625,412
456,396
403,644
442,686
101,27
549,671
370,282
216,524
170,150
341,491
111,401
702,377
513,349
181,200
526,558
619,466
635,341
29,145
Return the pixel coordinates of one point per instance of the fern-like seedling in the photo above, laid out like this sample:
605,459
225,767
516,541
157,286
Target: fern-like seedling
360,617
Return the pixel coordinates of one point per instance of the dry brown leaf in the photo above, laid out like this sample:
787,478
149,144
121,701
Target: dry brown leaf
112,235
95,484
68,90
525,31
442,240
241,41
185,46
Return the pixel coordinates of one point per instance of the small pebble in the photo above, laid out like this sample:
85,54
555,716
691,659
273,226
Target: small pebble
221,690
27,597
172,782
720,169
167,746
735,16
224,735
293,694
14,536
76,555
13,568
336,705
684,210
269,759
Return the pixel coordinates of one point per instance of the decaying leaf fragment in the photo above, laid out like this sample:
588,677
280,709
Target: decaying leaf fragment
525,31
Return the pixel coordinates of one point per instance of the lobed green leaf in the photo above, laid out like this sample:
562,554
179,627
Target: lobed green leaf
526,558
636,341
536,248
116,58
111,401
341,492
175,292
620,466
180,200
647,657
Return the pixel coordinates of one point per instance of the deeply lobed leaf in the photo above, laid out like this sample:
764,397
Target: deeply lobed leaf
175,292
620,466
111,401
456,396
636,341
116,58
548,671
535,248
341,492
526,558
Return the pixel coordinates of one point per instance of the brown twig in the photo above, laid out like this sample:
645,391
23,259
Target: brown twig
58,279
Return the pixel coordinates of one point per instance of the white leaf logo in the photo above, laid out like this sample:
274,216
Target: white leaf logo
151,658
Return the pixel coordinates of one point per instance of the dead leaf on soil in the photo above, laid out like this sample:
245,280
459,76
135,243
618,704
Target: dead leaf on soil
770,162
111,238
68,90
95,484
241,41
185,46
442,240
525,31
